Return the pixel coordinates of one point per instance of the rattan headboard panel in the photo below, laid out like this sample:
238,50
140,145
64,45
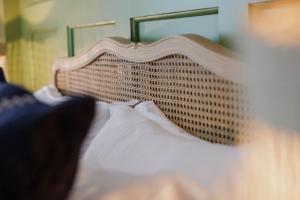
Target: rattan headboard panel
194,97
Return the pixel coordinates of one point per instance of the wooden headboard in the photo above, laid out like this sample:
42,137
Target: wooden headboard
194,81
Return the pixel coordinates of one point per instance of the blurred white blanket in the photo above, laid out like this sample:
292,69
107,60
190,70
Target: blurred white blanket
114,185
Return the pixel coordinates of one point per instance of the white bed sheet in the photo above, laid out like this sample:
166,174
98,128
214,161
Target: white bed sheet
115,185
131,143
111,163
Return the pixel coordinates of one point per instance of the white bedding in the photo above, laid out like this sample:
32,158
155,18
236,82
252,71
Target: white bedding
115,185
131,143
92,184
49,94
127,146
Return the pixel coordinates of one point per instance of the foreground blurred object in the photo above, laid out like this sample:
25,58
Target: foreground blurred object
39,144
272,169
271,166
174,187
273,63
276,22
2,75
272,76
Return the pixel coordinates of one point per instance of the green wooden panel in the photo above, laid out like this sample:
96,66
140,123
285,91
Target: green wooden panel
70,41
71,29
155,30
135,21
22,16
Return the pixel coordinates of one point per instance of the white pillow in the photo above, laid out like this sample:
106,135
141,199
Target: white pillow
131,143
100,118
49,94
149,110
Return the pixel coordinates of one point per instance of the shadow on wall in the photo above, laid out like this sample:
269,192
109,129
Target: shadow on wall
30,45
29,53
37,34
2,49
26,63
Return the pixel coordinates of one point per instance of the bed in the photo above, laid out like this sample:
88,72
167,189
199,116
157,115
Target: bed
195,82
166,124
170,118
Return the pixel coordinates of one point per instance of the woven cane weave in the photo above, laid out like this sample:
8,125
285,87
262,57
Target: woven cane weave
194,98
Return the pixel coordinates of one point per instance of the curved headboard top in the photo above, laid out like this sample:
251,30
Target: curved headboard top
195,82
214,57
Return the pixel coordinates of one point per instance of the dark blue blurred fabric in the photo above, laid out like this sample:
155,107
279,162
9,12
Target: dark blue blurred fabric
2,76
39,144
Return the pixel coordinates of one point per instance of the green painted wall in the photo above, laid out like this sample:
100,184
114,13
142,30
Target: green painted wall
36,29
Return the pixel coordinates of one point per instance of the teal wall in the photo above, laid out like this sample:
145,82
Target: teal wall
36,29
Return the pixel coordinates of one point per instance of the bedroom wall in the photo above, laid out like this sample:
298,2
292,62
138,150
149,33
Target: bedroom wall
36,29
2,35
